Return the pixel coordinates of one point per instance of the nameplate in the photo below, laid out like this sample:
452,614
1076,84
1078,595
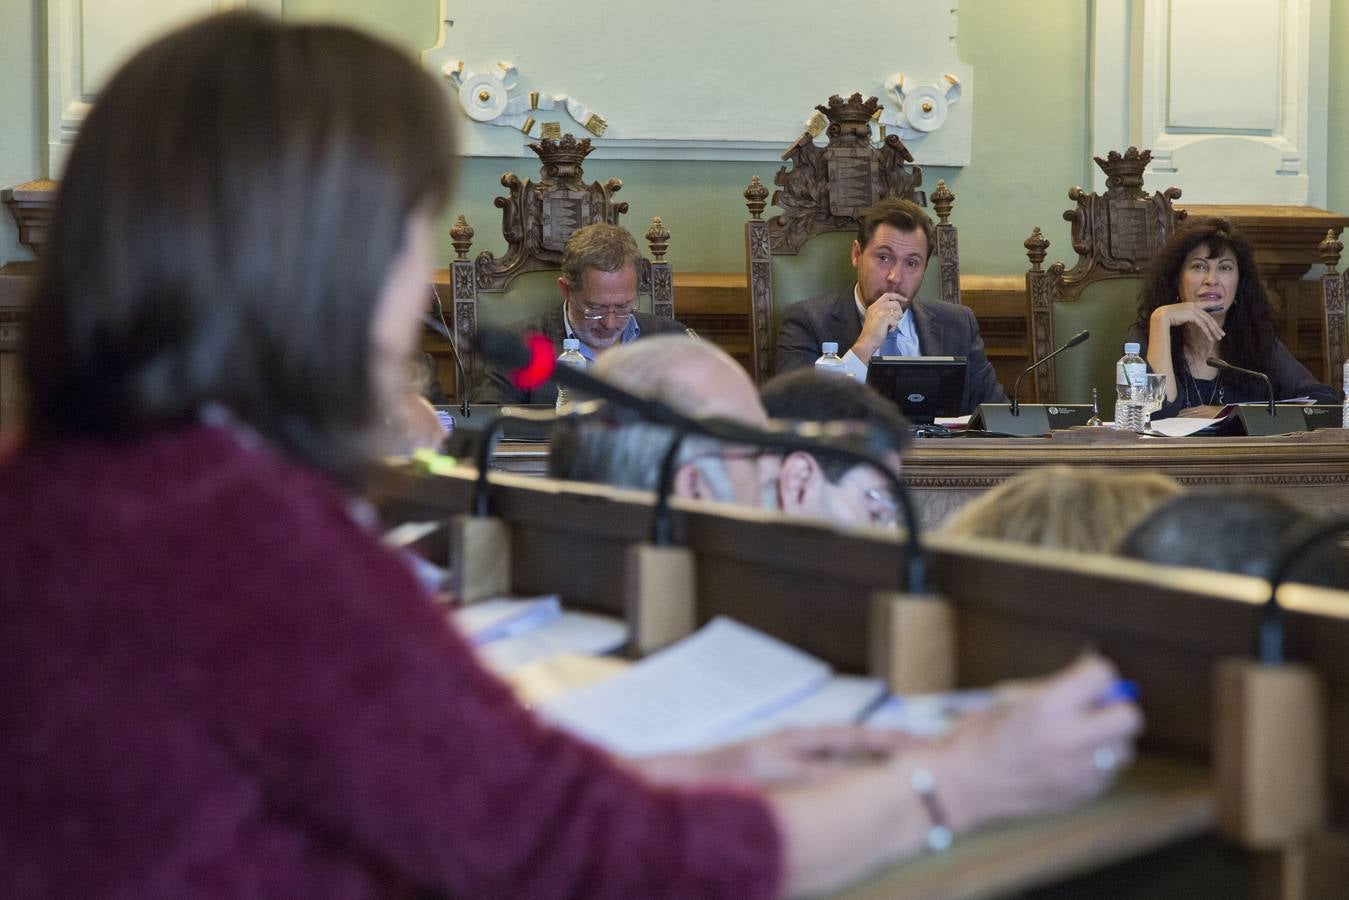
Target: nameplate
1031,419
1254,418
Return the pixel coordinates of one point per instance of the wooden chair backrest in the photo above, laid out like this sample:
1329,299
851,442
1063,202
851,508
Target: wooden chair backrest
537,218
823,192
1115,235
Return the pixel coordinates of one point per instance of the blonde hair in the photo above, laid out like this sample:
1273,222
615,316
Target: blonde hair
1088,510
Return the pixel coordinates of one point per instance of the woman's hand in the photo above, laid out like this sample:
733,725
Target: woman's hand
1190,314
1054,746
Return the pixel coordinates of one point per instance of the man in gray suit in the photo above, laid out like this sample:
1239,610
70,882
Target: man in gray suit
880,315
599,307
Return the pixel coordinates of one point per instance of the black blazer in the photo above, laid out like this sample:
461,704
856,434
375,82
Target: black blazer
944,329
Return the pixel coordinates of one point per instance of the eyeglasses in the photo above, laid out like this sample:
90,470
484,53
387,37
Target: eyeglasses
597,313
881,507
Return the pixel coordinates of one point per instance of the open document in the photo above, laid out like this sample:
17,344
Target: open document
702,691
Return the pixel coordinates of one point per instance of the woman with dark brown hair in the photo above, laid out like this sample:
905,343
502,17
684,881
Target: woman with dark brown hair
1204,298
215,681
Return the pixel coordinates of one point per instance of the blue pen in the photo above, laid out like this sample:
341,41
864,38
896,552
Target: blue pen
1122,690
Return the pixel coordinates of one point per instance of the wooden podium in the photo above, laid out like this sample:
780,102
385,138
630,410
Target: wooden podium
1186,637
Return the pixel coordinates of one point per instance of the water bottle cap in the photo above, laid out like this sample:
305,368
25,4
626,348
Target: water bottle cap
1131,349
571,343
829,346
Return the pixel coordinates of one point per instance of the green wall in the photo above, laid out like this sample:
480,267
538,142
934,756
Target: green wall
22,123
1337,134
1030,141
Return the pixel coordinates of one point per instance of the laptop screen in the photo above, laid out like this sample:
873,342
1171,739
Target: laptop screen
923,387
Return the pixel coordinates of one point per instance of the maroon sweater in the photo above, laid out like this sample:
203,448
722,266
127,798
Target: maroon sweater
214,683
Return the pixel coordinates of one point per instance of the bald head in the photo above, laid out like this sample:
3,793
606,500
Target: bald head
695,377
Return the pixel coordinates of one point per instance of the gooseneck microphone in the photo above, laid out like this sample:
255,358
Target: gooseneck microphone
1270,638
439,326
533,366
1224,364
1016,385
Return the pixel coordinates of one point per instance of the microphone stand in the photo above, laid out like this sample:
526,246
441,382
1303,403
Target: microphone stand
1224,364
1016,385
439,325
662,529
491,433
1270,638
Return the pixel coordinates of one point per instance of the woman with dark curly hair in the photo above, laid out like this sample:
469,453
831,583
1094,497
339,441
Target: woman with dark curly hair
1204,298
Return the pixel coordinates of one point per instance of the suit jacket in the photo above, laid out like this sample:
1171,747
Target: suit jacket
944,329
497,387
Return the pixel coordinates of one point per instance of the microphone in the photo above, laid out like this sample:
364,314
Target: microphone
505,350
1016,385
1224,364
438,325
1270,636
487,441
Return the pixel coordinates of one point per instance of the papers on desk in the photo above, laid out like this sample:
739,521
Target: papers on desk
1180,426
700,692
502,617
842,700
511,633
571,632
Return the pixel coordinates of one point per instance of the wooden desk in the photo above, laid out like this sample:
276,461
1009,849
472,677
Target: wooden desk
1168,629
1310,470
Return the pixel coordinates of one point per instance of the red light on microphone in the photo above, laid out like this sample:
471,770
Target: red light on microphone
540,366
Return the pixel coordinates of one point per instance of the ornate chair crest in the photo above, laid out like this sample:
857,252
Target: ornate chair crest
537,218
822,190
826,188
1115,234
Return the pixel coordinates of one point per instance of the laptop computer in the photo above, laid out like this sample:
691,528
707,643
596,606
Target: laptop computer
923,387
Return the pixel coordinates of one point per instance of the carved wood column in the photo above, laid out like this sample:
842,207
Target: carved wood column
760,262
464,295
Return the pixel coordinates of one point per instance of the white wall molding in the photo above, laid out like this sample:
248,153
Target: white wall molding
704,79
86,41
1229,95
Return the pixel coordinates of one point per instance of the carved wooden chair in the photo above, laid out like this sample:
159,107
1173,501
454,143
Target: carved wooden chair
537,218
803,251
1334,292
1115,234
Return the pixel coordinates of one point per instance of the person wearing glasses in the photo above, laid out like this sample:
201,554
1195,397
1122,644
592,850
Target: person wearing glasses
827,488
599,307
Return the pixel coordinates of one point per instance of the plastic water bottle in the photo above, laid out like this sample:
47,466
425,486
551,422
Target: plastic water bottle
1344,383
1129,372
570,356
831,362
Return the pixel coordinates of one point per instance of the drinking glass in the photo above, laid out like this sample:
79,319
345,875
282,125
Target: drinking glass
1150,394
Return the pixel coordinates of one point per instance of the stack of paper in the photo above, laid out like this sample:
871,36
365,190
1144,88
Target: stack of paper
492,620
702,691
571,632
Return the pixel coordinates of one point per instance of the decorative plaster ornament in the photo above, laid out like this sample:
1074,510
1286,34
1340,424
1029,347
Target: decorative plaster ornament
919,109
487,98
